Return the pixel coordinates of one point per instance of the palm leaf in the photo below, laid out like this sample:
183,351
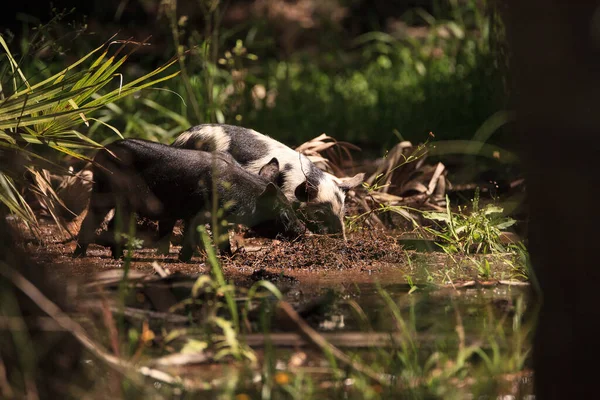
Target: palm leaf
49,113
10,196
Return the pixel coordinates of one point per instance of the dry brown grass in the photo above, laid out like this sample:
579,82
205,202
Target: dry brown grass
401,178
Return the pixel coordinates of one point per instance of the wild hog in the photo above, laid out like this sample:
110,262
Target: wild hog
318,198
166,184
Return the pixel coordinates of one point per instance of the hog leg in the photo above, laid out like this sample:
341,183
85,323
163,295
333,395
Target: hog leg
225,244
165,229
189,240
92,221
118,225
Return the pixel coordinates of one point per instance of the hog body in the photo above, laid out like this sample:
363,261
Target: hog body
318,197
166,184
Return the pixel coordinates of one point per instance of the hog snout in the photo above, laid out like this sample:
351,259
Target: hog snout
321,221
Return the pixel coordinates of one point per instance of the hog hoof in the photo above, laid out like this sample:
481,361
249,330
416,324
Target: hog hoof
79,251
185,255
163,250
115,253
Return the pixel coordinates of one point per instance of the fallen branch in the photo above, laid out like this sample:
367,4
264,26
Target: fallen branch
514,283
338,339
139,314
181,359
486,284
315,338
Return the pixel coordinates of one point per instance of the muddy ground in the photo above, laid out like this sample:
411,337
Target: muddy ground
368,256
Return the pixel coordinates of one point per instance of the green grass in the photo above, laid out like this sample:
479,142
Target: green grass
466,232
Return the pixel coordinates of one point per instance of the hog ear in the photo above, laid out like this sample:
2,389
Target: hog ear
270,170
348,183
306,192
270,191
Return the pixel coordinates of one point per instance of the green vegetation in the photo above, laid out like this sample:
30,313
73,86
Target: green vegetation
446,81
39,119
438,73
433,73
477,231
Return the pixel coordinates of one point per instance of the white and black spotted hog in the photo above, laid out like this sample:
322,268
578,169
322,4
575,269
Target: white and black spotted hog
167,184
318,198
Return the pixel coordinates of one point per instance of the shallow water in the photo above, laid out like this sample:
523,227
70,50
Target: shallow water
435,328
498,320
436,310
360,287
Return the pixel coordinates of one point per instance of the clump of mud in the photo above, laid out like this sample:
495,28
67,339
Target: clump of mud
361,249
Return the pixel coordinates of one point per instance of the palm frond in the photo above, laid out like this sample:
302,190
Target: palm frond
35,116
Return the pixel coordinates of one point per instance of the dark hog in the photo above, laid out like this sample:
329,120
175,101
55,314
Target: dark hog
318,197
167,184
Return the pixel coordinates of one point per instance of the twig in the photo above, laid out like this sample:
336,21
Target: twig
513,283
180,359
137,313
459,285
475,283
160,270
114,276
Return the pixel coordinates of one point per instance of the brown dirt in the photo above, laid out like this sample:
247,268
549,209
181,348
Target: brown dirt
364,257
315,262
